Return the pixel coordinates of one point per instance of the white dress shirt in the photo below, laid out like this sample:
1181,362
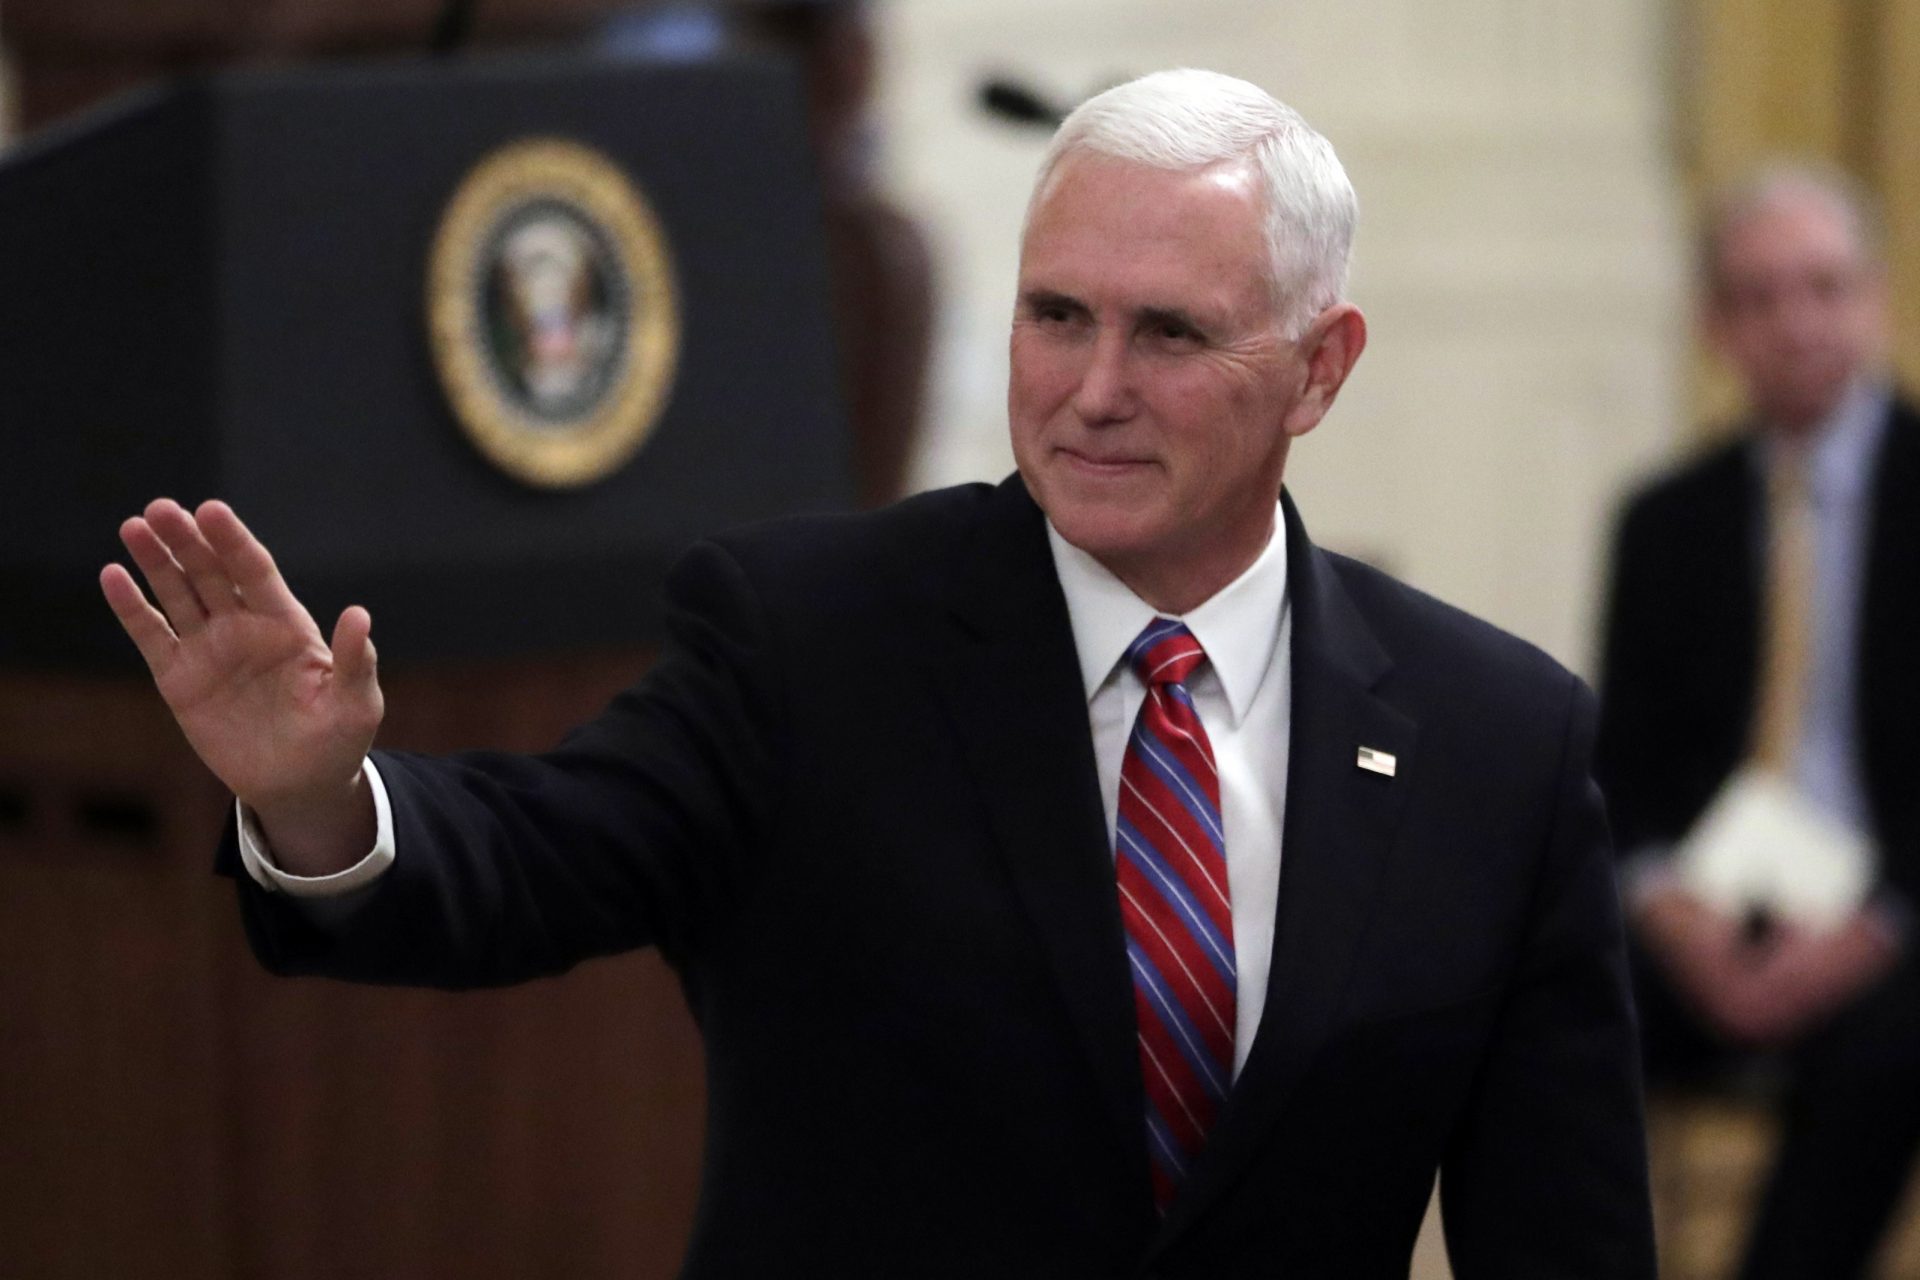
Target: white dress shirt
1244,696
1840,455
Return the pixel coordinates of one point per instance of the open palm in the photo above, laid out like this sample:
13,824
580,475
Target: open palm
276,712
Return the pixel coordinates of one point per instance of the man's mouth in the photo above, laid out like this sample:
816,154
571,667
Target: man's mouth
1099,463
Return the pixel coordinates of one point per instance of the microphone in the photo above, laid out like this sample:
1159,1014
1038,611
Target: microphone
1015,103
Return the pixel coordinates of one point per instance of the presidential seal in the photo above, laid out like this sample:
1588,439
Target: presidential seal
552,312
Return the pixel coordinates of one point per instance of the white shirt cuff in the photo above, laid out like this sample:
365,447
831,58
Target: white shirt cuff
258,858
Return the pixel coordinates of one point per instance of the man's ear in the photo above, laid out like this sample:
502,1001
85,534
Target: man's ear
1330,347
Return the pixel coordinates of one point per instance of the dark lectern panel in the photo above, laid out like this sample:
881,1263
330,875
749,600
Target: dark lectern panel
107,330
315,408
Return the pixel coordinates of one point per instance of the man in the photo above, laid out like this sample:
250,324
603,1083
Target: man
1702,628
1080,877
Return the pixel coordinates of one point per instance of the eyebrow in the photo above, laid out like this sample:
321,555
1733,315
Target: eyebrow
1151,316
1040,299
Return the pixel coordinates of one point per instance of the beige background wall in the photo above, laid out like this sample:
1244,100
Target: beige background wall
1519,257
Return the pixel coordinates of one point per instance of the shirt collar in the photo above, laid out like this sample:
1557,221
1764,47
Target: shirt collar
1841,449
1238,626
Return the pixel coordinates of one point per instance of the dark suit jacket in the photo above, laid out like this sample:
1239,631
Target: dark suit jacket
856,805
1682,640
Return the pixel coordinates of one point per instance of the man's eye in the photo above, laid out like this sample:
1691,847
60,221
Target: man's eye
1828,286
1174,331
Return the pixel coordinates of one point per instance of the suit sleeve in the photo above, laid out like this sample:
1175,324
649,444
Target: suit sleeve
637,830
1547,1176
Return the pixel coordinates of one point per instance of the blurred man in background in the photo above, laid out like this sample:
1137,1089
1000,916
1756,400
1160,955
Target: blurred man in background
1763,620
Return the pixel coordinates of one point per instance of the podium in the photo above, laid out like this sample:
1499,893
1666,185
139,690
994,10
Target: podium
296,291
224,290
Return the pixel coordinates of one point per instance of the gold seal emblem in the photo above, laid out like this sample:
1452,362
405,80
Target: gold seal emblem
551,307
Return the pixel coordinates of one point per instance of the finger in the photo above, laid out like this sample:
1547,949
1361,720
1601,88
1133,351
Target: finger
145,624
204,572
355,665
165,578
244,560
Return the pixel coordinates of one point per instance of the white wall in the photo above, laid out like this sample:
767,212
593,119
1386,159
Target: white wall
1520,257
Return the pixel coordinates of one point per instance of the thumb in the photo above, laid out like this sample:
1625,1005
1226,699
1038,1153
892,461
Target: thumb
354,661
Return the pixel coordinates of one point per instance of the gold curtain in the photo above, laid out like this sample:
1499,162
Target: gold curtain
1832,80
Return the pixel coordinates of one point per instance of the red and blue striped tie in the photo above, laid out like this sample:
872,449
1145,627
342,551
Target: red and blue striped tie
1170,858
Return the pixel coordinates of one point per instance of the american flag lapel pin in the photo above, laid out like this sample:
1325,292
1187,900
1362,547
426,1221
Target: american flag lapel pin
1374,760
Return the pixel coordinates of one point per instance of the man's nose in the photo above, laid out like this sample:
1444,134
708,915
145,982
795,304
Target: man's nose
1804,315
1106,391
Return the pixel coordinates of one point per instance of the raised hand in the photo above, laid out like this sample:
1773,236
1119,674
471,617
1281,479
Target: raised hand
279,715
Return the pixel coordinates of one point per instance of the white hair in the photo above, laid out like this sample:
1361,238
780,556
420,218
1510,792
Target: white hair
1190,119
1789,182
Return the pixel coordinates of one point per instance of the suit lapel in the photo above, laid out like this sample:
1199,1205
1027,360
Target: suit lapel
1339,827
1012,686
1885,685
1730,536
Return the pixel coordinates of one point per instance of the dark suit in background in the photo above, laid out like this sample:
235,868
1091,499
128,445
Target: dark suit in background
856,806
1682,648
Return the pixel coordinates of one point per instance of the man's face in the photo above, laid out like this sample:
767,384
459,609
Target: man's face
1797,308
1150,383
